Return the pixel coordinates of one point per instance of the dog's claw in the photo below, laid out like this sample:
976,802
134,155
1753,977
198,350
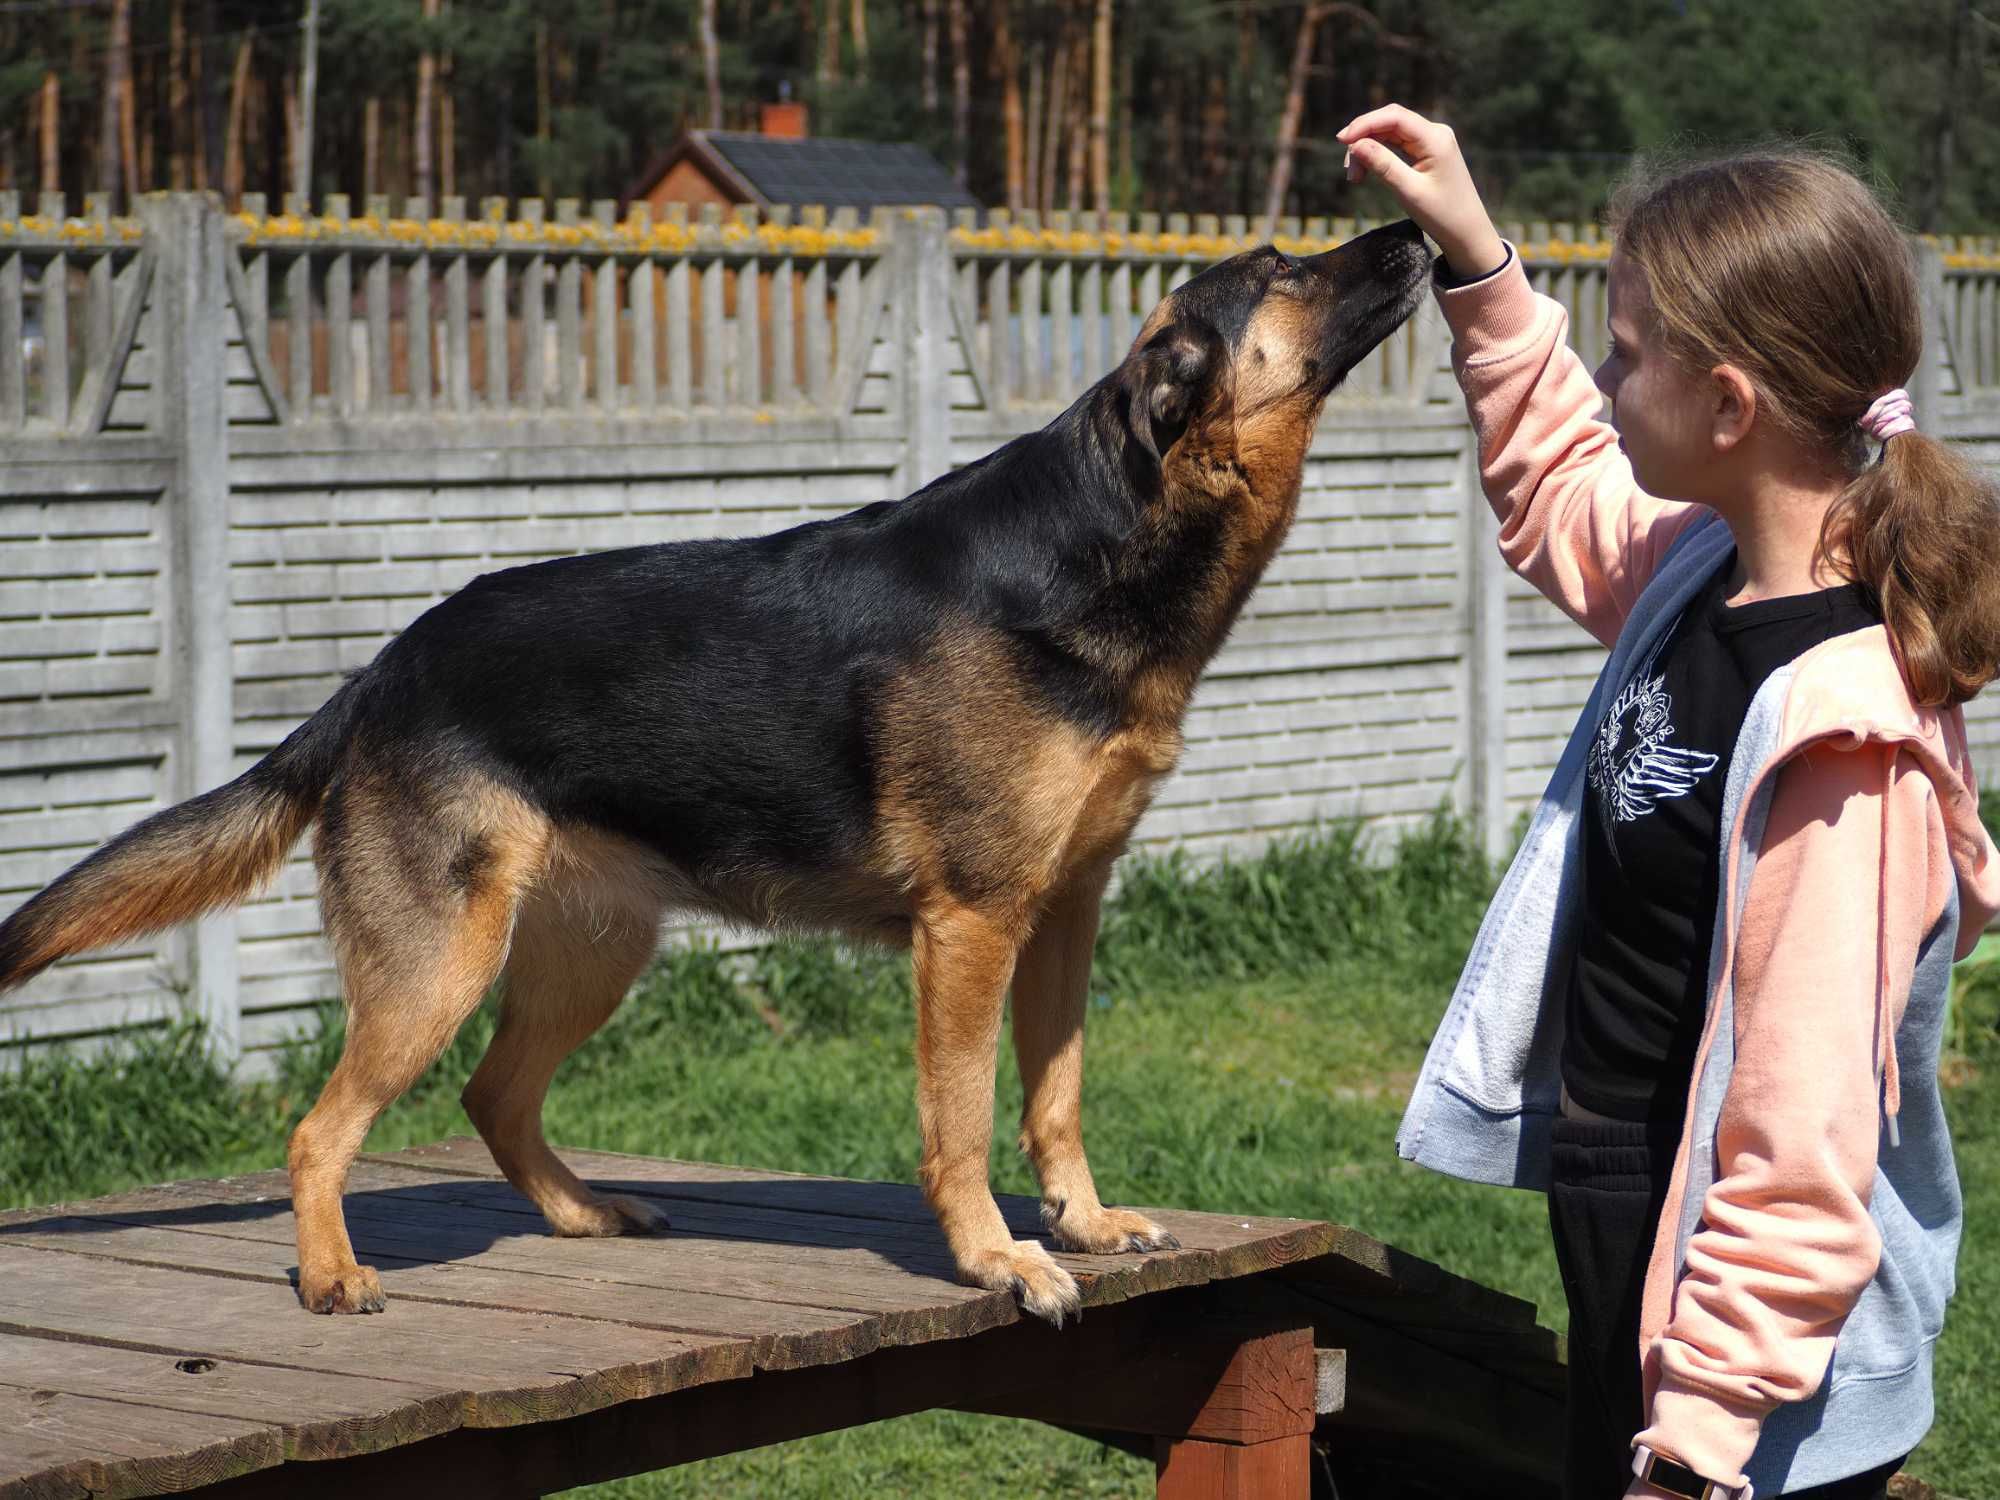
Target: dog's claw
1043,1288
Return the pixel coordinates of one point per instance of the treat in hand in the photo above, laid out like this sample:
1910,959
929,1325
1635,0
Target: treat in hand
1433,185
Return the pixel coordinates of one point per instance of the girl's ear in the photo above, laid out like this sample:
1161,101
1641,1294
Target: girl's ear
1735,407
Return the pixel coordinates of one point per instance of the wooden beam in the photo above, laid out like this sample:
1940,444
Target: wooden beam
1261,1392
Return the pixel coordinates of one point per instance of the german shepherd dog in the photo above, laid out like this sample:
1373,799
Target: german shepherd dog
931,722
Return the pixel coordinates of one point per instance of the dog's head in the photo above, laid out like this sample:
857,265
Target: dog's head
1236,363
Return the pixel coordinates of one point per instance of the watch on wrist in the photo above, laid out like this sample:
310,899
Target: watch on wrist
1676,1478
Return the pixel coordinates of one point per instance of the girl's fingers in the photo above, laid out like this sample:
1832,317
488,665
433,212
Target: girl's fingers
1370,158
1391,122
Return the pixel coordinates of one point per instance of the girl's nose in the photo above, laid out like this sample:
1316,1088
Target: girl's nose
1607,382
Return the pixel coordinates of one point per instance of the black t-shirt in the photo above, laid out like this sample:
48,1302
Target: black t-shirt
1652,819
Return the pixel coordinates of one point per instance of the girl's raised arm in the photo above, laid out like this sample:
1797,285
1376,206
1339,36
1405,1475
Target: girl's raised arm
1573,521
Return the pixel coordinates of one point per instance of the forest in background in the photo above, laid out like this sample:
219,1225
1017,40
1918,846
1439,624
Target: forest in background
1204,106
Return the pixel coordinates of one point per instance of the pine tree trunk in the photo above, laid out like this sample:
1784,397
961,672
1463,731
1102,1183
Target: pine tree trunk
930,85
371,149
426,84
1288,123
1127,178
1100,111
711,63
208,101
51,106
1079,115
829,43
127,133
857,24
1007,64
961,89
1052,129
1031,143
232,156
116,59
544,128
302,143
177,96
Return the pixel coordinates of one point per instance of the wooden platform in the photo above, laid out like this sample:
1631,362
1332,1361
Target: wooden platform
151,1342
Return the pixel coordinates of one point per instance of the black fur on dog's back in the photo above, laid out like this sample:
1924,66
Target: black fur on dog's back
714,699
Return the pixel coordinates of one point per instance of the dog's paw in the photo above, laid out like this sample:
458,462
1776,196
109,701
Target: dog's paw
349,1289
1108,1231
604,1216
1044,1288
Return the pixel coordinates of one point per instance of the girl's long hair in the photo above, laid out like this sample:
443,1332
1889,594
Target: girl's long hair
1782,263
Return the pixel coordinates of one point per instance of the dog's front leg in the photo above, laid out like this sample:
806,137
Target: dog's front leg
1051,988
963,961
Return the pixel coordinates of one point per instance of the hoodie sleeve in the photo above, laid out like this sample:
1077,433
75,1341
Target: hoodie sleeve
1851,875
1572,520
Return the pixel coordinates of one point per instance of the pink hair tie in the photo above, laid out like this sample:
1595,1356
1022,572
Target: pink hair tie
1890,414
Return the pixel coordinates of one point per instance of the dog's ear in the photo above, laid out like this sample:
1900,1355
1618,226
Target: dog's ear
1166,378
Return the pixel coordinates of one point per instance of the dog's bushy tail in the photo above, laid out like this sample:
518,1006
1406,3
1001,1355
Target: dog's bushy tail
208,852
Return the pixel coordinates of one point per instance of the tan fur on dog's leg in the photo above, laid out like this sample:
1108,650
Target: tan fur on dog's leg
963,960
567,973
419,904
1051,987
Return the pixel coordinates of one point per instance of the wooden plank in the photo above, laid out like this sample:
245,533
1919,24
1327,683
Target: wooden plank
60,1444
1342,1259
797,1304
505,1367
316,1415
730,1416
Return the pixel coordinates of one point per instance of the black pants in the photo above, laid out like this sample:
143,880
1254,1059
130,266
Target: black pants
1606,1186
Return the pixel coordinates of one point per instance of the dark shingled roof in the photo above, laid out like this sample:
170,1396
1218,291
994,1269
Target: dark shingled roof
836,173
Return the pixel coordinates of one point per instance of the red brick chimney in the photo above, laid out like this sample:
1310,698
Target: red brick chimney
786,120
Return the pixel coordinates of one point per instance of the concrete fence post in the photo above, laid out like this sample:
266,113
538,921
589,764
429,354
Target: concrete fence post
184,234
923,292
1486,661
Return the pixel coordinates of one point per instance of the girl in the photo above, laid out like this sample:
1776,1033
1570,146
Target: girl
1705,1008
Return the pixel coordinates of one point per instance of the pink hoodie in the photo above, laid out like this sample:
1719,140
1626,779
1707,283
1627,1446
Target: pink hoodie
1873,822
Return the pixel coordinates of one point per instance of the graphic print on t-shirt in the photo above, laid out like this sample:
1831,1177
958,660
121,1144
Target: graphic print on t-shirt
1633,768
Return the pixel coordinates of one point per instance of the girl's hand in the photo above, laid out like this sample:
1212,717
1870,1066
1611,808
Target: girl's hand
1433,186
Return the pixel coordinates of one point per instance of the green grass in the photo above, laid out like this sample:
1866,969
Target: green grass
1254,1031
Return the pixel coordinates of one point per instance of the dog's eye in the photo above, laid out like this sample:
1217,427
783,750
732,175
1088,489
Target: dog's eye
1281,266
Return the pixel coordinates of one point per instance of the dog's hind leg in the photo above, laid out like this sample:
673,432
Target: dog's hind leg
418,892
567,973
963,960
1051,987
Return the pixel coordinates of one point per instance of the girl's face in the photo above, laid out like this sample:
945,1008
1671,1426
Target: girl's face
1664,416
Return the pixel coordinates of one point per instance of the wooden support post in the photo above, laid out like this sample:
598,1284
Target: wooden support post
1251,1439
